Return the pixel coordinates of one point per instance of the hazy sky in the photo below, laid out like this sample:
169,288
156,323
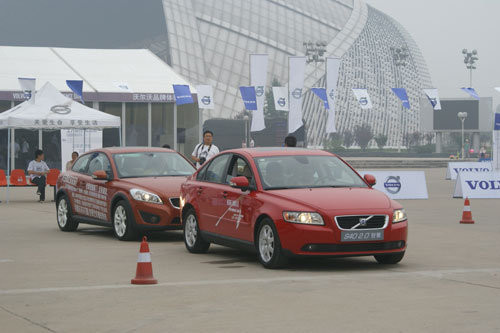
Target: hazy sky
442,28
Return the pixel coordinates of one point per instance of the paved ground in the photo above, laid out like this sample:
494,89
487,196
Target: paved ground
52,281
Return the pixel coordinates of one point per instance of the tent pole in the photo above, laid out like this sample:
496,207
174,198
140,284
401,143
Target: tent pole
8,163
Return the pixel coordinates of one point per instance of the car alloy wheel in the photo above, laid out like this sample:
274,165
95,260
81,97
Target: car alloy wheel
62,213
192,236
266,243
191,232
120,221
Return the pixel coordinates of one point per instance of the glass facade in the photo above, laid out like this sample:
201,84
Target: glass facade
162,129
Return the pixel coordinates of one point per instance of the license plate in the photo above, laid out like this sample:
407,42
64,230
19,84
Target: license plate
361,236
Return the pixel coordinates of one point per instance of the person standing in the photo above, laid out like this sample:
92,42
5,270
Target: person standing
38,169
69,164
205,150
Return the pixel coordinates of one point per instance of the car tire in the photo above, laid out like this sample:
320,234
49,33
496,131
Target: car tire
123,221
65,219
192,237
269,246
390,259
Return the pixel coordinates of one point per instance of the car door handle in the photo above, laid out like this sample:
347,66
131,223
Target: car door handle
224,194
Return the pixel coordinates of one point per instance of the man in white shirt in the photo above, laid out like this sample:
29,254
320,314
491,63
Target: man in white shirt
38,169
205,150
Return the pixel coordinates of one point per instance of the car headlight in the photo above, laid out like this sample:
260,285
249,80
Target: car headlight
303,218
145,196
399,216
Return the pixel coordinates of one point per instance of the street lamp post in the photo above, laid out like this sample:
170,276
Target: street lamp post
470,59
246,118
399,56
462,116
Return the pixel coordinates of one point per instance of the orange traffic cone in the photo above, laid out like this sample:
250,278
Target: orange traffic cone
144,274
467,214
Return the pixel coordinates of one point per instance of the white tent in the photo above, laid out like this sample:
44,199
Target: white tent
52,110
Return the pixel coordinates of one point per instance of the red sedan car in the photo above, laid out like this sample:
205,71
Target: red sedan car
284,202
128,189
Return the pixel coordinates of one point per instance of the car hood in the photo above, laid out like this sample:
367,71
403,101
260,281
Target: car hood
331,199
163,186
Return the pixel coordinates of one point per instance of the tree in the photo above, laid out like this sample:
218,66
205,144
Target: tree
348,138
429,137
269,109
381,141
363,135
415,138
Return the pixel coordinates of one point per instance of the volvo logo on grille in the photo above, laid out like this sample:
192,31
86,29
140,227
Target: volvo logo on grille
363,222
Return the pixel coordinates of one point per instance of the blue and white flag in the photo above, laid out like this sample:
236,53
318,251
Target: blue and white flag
258,77
249,97
76,87
280,95
432,95
182,94
471,92
296,74
205,97
497,122
363,98
402,95
28,86
497,89
332,76
321,93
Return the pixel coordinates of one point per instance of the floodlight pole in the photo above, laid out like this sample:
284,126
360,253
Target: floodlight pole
470,59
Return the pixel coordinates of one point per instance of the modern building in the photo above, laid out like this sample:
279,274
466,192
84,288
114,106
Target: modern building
209,42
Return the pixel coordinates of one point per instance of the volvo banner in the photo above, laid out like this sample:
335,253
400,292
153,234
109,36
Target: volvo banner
28,87
296,73
402,95
497,89
363,98
332,75
182,94
400,184
258,76
454,168
249,98
474,185
205,97
471,92
76,87
496,144
432,95
280,95
321,93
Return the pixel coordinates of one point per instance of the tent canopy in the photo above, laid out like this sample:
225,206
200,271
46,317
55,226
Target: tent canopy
52,110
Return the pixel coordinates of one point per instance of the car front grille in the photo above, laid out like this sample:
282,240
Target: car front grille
348,222
175,202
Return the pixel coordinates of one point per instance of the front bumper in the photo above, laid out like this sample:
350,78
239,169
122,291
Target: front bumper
150,216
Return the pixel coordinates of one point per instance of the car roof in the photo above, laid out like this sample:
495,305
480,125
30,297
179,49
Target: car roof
121,150
279,151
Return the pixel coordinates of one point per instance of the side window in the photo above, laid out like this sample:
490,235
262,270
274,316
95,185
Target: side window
239,167
215,171
81,164
201,174
99,161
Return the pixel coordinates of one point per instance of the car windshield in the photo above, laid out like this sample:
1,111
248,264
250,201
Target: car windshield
305,171
152,164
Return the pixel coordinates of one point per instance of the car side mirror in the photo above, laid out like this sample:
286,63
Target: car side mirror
370,179
240,182
100,175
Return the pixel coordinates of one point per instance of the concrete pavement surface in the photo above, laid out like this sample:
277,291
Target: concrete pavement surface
53,281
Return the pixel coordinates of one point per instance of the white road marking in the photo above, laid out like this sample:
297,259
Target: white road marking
331,277
6,260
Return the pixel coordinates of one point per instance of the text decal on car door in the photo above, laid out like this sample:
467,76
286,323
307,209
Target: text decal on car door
235,208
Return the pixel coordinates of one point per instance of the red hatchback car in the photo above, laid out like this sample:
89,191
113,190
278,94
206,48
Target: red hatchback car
128,189
285,202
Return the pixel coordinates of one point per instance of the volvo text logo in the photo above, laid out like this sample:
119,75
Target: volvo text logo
332,94
363,101
392,184
297,93
60,109
281,101
259,91
205,100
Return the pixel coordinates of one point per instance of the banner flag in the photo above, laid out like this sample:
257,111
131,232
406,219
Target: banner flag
497,89
296,74
496,143
76,87
182,94
332,75
471,92
321,93
28,86
249,97
433,96
280,95
123,86
402,95
363,98
205,97
258,77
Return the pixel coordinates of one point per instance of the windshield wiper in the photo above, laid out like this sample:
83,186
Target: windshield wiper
279,188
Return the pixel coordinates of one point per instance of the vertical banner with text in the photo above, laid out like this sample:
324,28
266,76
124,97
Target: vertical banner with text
280,95
402,95
205,96
332,76
258,76
296,74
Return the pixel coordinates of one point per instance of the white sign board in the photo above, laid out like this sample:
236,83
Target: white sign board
454,168
72,140
475,185
400,184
